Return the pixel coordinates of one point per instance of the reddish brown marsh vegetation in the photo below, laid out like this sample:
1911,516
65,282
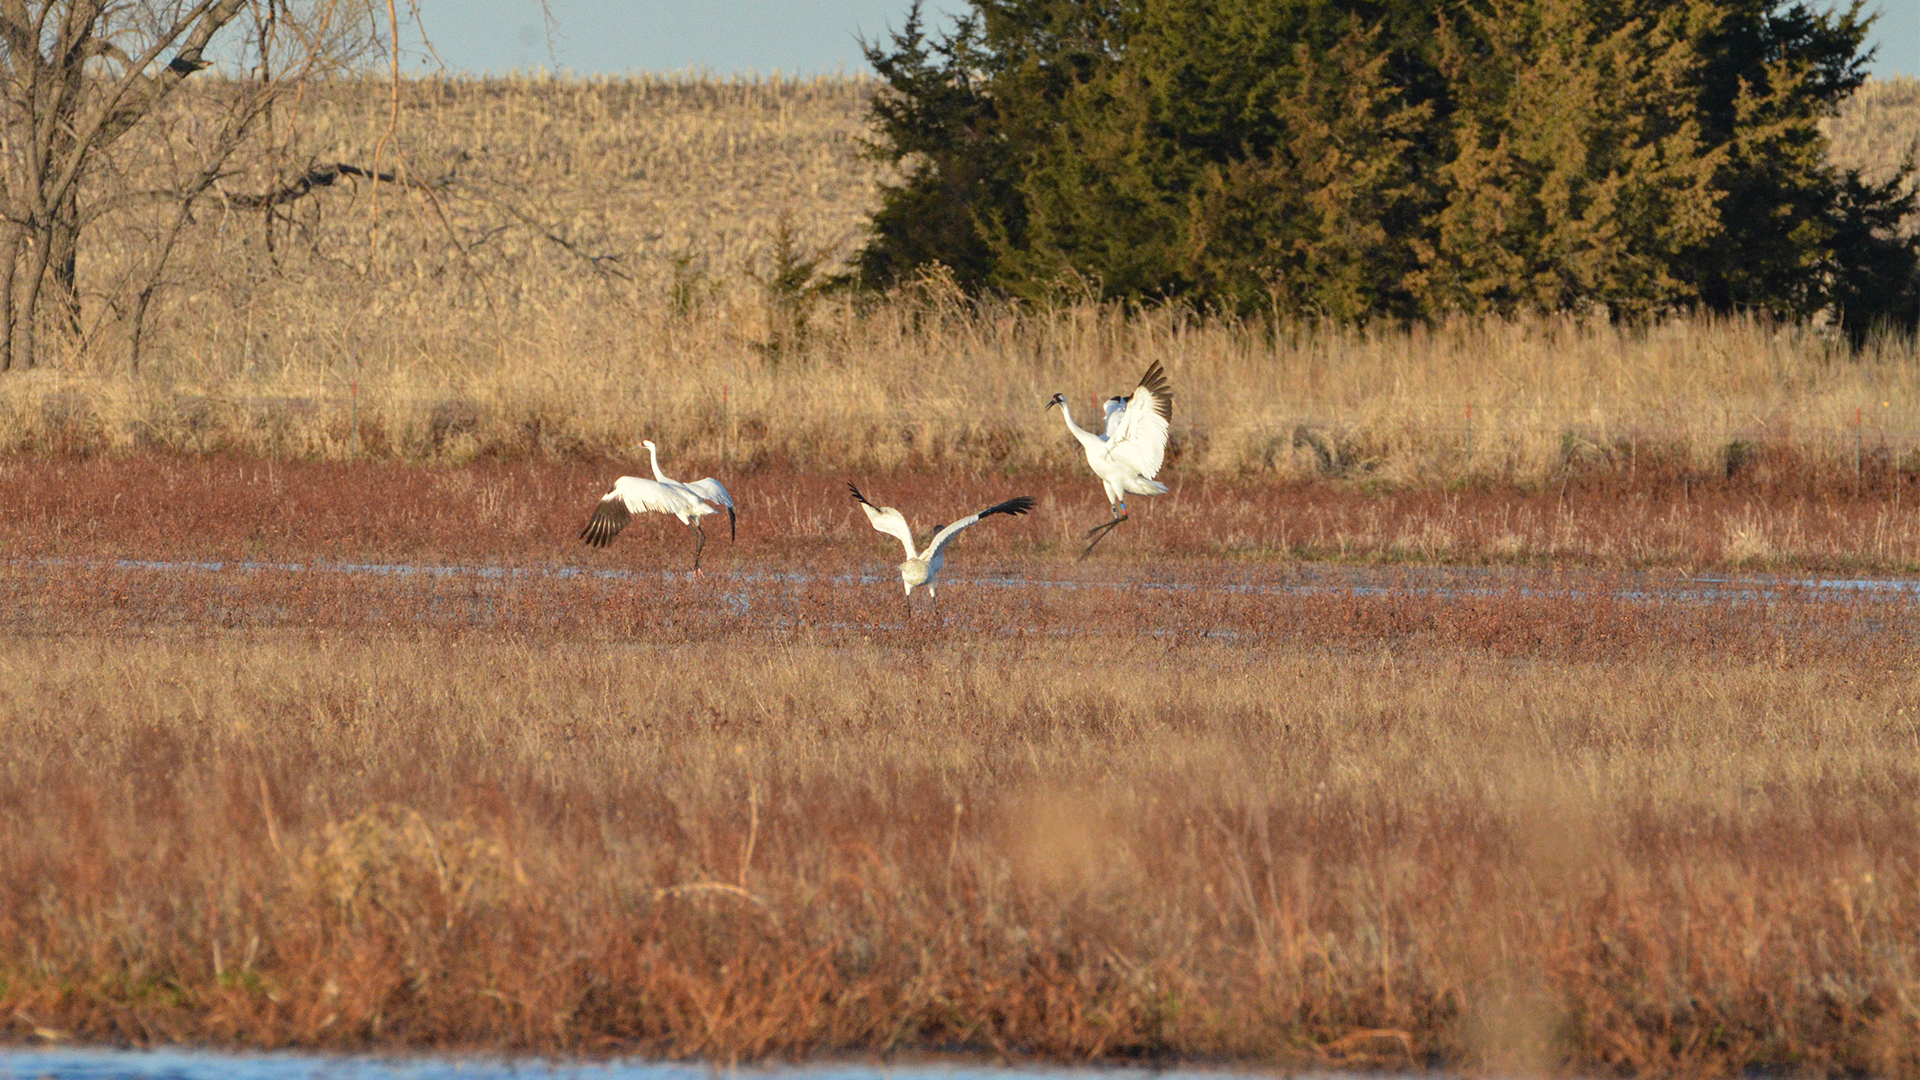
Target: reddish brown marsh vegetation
530,513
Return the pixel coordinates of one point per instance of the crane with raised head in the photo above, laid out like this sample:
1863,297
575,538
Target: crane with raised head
689,501
1127,454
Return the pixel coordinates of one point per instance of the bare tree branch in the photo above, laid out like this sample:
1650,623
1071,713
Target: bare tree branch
77,76
320,176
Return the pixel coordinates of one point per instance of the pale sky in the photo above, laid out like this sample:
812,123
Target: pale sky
794,37
615,37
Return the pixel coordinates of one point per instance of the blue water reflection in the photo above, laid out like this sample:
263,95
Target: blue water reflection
1466,582
109,1064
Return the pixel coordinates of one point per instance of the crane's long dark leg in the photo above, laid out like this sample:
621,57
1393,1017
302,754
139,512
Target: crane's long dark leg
699,545
1099,532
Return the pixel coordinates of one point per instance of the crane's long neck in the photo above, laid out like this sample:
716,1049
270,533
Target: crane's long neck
657,474
1087,438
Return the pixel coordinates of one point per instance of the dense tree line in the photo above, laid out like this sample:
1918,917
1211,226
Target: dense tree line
1351,159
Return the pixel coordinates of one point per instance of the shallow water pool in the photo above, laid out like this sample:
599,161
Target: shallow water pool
83,1063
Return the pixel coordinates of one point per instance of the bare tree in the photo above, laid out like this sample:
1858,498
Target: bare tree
78,77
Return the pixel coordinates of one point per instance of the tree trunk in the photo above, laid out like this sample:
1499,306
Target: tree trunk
64,260
9,261
138,320
25,339
77,76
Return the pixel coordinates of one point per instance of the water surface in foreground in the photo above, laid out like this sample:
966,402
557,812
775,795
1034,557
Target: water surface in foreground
1578,611
110,1064
1461,582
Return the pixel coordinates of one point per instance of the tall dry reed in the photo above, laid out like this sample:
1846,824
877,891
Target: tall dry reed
588,263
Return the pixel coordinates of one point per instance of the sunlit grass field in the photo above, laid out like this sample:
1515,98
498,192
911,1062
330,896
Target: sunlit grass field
583,264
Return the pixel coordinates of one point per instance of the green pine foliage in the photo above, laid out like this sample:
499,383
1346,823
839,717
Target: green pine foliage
1353,159
1575,171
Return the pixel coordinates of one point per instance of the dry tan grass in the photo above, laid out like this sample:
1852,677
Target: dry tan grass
1675,865
893,387
592,266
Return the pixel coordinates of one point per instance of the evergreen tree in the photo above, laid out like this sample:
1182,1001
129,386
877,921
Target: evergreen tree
1798,235
1238,153
1408,158
1576,174
938,122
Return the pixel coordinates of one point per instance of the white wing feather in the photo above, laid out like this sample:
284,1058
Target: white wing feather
945,536
1137,433
710,490
642,495
893,523
941,539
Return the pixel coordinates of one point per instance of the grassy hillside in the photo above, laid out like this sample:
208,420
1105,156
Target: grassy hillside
1878,128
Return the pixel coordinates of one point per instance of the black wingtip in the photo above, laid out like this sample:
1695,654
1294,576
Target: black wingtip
596,534
733,528
857,497
606,522
1155,380
1012,506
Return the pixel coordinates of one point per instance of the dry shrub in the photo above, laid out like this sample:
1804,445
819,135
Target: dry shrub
389,856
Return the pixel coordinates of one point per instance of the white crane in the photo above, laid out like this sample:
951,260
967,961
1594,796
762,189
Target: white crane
636,495
923,566
1127,455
